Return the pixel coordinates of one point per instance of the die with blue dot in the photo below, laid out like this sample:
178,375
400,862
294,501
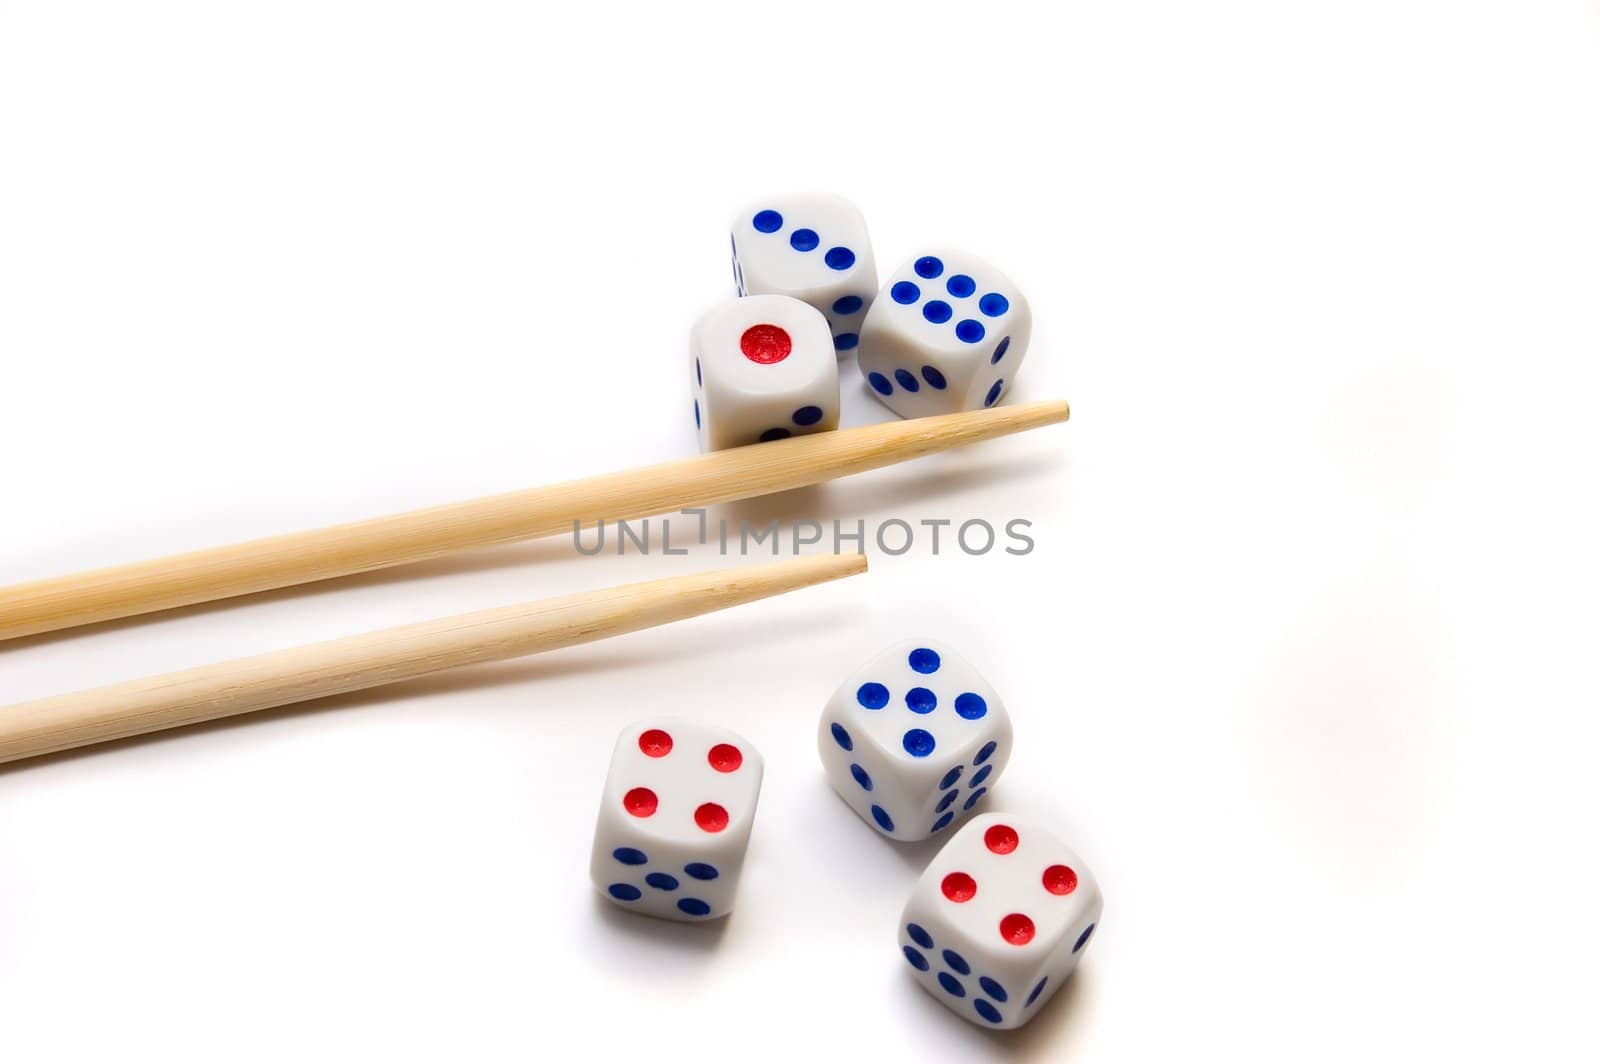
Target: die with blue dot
914,740
814,248
999,920
946,333
675,819
761,369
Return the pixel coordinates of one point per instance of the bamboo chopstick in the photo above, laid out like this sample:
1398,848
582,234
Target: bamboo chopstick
377,543
283,677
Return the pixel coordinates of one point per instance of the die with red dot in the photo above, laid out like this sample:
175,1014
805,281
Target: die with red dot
762,368
999,920
914,739
675,819
814,248
947,333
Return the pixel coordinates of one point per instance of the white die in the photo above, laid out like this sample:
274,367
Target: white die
914,739
675,819
947,333
999,919
763,368
813,248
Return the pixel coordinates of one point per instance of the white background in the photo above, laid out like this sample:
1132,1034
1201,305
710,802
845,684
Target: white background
1302,663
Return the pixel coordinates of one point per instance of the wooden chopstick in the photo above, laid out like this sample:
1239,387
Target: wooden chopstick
284,677
378,543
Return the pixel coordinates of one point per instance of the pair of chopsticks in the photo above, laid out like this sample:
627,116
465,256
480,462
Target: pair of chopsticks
284,677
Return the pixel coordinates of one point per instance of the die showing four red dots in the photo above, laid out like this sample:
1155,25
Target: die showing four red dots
709,816
1015,928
